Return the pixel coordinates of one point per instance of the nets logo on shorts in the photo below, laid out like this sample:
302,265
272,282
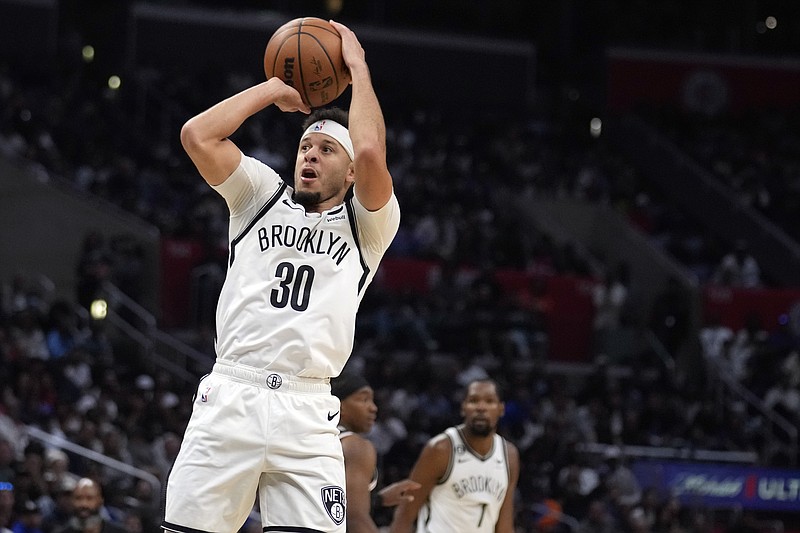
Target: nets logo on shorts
274,381
334,502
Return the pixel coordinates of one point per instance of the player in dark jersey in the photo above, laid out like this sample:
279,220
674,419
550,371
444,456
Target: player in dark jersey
356,418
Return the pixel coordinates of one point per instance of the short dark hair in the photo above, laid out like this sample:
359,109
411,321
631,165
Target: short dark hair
497,387
347,383
335,114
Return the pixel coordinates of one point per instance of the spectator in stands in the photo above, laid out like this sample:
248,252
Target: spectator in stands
64,331
27,335
744,522
7,459
598,519
144,503
662,420
61,510
619,480
648,507
29,518
577,483
715,340
747,341
7,501
165,449
89,514
94,268
739,268
56,476
30,479
672,517
115,447
609,297
11,427
637,521
784,398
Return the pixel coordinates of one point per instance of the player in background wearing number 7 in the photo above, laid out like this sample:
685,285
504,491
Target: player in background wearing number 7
264,421
468,473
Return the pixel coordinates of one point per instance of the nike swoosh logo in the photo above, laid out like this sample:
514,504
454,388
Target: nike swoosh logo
332,416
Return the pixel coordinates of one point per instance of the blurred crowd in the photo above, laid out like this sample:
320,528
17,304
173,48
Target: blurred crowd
61,372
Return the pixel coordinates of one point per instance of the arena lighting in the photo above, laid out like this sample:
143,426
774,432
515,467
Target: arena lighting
87,52
334,7
98,309
771,23
114,82
595,127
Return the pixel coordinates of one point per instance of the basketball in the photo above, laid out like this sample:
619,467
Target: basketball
306,53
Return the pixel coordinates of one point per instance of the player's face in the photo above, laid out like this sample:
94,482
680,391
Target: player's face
482,408
322,173
359,410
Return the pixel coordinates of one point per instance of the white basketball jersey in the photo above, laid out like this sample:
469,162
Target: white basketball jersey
295,279
471,493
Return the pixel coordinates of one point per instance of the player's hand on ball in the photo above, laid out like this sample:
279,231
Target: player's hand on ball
287,98
352,51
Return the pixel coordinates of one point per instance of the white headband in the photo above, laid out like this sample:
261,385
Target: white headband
335,131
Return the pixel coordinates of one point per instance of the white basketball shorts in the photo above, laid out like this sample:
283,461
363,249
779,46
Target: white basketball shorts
254,432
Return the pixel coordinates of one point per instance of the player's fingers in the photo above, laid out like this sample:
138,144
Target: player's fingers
339,26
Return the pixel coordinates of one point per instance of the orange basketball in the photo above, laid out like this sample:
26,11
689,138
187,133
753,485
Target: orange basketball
306,53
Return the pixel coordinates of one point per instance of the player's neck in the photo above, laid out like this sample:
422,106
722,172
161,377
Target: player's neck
480,444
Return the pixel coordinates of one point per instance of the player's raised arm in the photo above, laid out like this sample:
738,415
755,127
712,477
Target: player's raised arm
205,137
373,182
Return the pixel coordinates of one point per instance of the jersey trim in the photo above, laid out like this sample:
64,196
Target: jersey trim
166,526
292,529
343,434
351,212
473,452
450,462
505,456
263,211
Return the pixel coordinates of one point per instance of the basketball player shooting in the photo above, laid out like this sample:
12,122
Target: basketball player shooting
468,473
264,422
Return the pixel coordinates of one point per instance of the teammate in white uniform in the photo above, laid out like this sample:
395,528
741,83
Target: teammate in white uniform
264,423
358,412
468,474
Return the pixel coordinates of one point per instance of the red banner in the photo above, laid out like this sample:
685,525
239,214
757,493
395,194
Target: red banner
700,82
566,301
734,306
178,259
